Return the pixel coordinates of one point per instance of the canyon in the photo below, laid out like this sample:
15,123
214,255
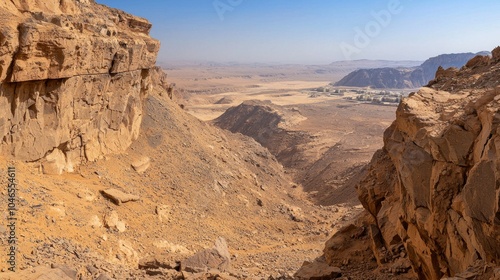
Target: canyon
239,175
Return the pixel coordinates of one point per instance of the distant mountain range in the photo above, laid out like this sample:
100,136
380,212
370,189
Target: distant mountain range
404,77
368,63
342,64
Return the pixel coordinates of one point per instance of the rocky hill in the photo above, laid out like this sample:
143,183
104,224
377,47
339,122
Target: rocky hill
269,125
398,78
432,193
381,78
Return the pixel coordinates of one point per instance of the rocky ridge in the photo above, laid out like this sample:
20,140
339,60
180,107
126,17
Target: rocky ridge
75,75
432,193
268,124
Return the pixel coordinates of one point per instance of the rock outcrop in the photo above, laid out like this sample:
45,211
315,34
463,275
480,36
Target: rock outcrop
74,75
435,186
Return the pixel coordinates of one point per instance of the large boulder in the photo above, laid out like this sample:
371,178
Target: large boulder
217,258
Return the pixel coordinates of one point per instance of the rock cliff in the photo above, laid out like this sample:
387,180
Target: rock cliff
435,185
74,75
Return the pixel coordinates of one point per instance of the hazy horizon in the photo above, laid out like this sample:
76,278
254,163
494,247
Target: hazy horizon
315,32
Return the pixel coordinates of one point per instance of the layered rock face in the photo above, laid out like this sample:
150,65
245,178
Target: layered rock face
435,186
73,76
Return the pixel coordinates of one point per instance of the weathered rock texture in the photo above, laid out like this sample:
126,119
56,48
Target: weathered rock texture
73,76
435,186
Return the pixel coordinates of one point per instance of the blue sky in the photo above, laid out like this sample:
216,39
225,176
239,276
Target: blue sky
316,31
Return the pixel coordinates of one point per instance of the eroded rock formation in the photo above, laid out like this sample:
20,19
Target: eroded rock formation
435,186
74,75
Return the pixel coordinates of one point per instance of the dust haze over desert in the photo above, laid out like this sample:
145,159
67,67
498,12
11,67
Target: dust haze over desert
239,139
